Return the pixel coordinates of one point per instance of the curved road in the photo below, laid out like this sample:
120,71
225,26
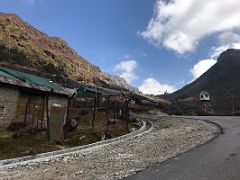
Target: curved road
217,160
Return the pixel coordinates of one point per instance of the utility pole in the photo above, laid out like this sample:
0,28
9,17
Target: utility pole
233,107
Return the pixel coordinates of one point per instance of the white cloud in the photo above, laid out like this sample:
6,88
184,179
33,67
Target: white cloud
201,67
226,40
152,86
180,24
229,37
216,51
127,68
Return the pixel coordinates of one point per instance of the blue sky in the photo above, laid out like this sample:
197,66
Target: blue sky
156,45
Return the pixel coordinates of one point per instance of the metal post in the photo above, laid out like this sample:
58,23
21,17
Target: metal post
68,119
233,107
26,110
127,113
107,113
43,107
47,113
94,111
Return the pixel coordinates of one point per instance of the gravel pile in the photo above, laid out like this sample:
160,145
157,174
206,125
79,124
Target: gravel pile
169,137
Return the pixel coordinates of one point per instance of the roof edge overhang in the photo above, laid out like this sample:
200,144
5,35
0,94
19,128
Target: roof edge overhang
18,83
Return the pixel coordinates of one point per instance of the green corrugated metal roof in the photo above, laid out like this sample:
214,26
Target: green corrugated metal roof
2,73
87,92
30,79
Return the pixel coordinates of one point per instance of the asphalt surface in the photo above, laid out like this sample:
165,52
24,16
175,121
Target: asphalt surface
217,160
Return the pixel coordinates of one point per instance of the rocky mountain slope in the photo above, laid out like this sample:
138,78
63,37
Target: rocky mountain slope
121,82
222,81
24,47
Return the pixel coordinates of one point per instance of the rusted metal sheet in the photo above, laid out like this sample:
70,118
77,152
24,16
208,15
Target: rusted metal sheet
17,82
57,120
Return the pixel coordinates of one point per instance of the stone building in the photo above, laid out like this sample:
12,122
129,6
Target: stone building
36,101
8,105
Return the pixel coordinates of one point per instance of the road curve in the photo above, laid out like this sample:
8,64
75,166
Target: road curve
217,160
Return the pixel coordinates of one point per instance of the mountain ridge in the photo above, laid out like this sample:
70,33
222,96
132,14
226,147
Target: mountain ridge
221,81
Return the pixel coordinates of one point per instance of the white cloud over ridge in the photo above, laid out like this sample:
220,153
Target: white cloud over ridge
127,68
152,86
226,40
180,24
201,67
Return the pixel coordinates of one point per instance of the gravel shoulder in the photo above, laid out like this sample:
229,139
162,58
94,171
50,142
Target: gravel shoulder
169,137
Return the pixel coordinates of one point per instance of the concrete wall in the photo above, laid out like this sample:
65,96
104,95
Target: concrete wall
8,105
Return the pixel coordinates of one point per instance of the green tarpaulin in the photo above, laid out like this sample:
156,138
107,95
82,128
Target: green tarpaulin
30,79
87,92
2,73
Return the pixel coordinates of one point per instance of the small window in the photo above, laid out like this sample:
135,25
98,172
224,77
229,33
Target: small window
2,109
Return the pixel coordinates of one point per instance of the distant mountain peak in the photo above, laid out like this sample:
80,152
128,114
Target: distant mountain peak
233,53
221,81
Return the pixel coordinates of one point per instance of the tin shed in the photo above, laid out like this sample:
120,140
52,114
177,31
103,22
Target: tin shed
33,100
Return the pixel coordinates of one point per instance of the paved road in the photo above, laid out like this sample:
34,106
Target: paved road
217,160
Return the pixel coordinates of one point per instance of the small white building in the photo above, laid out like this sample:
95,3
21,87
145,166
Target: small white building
204,96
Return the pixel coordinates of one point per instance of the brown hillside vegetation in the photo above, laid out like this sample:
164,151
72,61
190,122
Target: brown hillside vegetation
23,46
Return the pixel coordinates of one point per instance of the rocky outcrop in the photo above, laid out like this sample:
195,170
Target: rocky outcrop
121,82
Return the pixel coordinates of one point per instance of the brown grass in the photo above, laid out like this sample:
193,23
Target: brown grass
82,135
